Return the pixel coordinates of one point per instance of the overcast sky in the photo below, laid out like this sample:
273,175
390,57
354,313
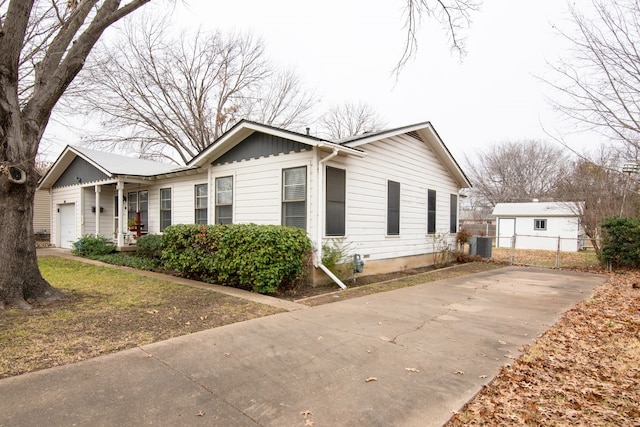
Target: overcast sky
347,49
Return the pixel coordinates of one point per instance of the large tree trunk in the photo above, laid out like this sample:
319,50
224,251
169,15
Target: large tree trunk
20,278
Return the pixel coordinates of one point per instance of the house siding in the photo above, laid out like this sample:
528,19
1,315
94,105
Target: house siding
260,145
42,212
79,171
257,187
415,166
64,196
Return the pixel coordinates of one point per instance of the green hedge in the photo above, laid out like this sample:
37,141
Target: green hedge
90,245
621,242
262,258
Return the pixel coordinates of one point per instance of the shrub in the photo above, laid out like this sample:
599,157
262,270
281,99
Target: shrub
463,236
149,246
621,242
262,258
337,258
90,245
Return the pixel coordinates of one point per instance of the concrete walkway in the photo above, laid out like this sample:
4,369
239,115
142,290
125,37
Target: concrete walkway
407,357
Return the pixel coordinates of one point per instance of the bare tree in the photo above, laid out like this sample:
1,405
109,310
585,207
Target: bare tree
166,97
598,84
517,172
597,181
349,119
453,15
63,40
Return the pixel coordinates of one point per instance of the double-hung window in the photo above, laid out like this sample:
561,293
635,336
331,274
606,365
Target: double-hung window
294,197
201,203
165,208
335,203
224,200
431,211
393,208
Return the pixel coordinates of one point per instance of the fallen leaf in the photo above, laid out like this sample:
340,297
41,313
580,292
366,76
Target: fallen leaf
306,413
369,379
411,369
152,311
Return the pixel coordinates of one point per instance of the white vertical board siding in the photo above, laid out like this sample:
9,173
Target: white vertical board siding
61,196
257,187
415,166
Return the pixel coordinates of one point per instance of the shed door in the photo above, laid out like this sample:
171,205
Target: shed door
506,230
67,225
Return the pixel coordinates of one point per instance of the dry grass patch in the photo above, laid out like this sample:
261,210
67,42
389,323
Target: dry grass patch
582,260
585,370
108,310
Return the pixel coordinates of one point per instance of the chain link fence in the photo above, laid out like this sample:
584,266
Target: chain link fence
559,252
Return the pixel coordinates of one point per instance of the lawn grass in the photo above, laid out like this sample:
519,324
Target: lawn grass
108,310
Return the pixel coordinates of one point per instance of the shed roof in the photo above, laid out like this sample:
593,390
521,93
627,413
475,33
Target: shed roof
537,209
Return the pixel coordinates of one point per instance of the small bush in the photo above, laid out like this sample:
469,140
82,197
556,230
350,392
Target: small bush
149,246
621,242
90,245
262,258
463,236
337,257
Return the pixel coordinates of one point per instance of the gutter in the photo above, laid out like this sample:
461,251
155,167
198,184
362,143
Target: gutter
320,205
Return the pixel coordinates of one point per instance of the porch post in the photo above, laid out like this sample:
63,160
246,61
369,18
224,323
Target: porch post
97,190
121,219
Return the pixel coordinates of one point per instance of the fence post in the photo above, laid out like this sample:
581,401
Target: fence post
558,254
513,249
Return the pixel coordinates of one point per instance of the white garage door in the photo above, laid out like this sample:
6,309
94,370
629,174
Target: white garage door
506,230
67,225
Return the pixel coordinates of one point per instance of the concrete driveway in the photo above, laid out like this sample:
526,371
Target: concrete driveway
407,357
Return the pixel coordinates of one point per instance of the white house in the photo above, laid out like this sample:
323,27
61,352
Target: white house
385,193
538,225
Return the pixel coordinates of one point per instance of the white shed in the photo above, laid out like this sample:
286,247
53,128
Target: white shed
538,225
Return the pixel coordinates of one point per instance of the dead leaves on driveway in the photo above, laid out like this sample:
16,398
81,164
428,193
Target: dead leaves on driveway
585,370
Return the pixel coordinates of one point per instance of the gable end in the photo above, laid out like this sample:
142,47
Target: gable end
258,145
415,135
79,171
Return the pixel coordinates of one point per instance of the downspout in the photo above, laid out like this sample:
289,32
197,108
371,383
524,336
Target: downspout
321,206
